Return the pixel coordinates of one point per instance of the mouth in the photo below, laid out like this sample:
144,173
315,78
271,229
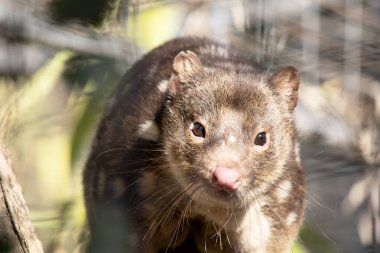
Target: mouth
213,194
221,192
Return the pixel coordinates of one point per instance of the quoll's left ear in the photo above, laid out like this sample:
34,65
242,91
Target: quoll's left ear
285,83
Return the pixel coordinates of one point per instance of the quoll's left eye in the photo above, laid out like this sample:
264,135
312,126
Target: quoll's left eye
261,139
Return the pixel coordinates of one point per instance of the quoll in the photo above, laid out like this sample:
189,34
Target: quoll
197,152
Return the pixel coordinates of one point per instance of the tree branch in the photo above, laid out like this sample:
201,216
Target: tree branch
17,234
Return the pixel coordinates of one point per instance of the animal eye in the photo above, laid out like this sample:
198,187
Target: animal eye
261,139
198,130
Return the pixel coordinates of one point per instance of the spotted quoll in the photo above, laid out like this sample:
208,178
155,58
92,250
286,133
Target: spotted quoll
196,152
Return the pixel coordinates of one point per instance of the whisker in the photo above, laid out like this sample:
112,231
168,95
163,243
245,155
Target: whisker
171,212
217,235
260,224
100,154
154,161
171,207
183,216
153,227
228,238
110,150
158,193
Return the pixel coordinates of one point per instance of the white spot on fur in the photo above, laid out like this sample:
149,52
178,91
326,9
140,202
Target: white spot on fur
215,50
231,138
255,238
149,131
297,148
283,189
163,85
292,217
222,51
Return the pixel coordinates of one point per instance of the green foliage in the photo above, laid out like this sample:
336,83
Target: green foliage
299,248
94,78
315,241
142,27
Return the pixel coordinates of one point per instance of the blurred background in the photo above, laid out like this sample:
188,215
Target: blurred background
61,59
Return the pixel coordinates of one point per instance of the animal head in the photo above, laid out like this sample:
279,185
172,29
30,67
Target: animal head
228,128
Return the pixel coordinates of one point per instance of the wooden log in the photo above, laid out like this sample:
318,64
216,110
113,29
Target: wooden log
17,234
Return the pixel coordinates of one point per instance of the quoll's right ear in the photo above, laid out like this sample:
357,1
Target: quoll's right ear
186,66
285,83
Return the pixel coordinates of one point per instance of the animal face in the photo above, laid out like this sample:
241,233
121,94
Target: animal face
228,132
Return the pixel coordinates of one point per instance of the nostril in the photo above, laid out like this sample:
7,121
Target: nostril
214,179
226,178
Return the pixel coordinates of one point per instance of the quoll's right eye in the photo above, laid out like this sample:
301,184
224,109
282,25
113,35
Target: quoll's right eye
198,130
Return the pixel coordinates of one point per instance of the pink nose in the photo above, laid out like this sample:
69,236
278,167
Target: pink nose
226,178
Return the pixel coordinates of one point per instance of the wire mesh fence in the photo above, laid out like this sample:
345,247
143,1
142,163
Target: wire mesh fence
60,59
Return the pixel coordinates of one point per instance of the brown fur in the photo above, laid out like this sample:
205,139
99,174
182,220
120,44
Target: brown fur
148,181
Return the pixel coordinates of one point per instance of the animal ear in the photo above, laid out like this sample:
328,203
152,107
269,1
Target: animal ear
186,65
285,83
